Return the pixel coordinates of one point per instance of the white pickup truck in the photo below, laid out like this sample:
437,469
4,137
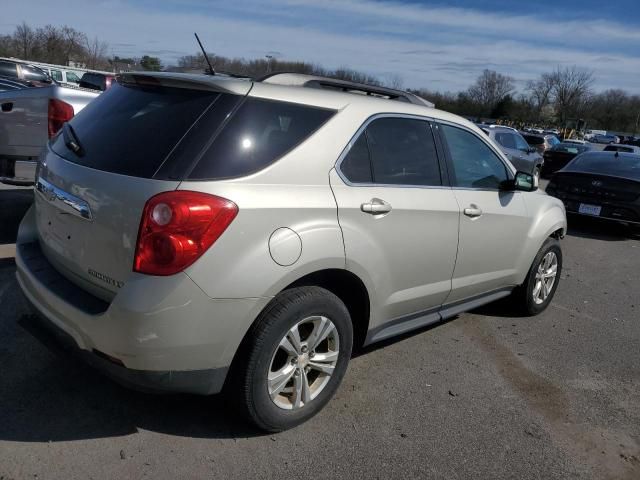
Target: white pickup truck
29,117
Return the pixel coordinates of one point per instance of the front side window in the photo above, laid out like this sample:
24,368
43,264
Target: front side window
474,164
521,143
56,75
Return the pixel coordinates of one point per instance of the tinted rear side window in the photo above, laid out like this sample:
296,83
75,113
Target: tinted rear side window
403,152
130,129
260,132
356,166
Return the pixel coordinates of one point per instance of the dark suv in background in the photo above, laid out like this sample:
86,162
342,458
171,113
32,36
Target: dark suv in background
541,143
97,81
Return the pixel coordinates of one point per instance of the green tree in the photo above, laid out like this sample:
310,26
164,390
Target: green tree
151,64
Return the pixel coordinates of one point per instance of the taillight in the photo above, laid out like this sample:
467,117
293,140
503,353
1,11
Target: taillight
59,113
177,228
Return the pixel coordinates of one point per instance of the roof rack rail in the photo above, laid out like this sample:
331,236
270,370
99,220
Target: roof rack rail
314,81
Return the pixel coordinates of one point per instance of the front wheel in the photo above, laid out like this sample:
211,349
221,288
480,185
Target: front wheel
535,294
295,358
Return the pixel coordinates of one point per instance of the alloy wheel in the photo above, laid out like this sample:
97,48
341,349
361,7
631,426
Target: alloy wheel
545,277
303,362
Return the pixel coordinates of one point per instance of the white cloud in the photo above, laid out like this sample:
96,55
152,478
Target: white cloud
450,61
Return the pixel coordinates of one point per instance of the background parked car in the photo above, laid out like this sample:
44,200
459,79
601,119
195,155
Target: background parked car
97,81
29,116
599,138
560,155
520,153
601,184
541,143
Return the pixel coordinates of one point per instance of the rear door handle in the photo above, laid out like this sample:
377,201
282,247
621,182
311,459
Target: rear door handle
473,211
375,207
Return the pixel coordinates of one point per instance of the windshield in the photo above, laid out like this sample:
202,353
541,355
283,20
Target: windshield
624,165
553,140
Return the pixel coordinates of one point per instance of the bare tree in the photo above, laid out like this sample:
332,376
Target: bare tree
490,89
24,39
540,94
95,53
571,90
394,81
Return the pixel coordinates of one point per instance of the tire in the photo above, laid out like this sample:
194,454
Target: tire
524,295
265,365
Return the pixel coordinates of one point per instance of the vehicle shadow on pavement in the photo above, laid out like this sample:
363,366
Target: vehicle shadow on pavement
48,396
14,203
58,399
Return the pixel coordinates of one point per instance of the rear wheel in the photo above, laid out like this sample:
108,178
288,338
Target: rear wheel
535,294
295,358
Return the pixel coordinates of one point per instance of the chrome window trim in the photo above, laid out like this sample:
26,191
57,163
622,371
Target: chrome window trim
361,130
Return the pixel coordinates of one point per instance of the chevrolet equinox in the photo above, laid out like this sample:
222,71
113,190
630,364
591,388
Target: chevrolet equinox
192,233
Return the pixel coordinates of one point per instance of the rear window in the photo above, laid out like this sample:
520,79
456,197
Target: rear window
533,140
260,132
131,130
570,148
625,165
618,148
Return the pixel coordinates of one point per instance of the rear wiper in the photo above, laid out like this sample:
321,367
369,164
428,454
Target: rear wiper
71,140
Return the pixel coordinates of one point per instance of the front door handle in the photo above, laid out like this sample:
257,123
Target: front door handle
473,211
376,207
7,107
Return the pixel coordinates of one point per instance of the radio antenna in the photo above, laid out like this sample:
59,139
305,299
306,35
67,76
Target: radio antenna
211,70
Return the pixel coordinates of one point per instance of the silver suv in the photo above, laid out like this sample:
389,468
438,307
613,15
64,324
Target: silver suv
522,155
195,232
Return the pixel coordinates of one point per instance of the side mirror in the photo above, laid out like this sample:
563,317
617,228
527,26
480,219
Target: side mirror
531,150
523,181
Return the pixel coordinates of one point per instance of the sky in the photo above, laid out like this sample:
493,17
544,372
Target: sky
430,44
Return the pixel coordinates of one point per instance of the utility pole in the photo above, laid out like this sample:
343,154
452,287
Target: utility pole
269,58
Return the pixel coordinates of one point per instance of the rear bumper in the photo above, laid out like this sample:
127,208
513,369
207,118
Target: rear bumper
202,382
613,211
158,333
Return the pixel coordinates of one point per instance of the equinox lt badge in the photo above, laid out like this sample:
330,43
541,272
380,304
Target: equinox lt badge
105,278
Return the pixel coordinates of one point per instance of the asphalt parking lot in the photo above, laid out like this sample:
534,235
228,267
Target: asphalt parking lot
486,395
